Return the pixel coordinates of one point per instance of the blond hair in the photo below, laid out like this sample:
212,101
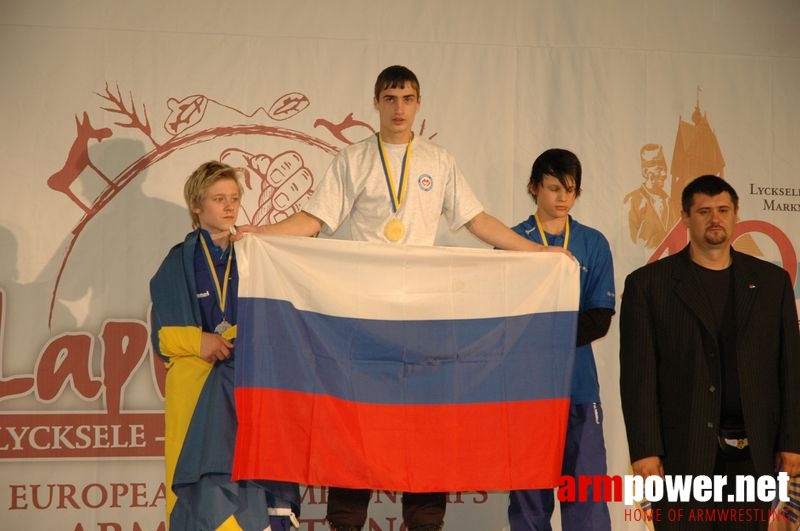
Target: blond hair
201,179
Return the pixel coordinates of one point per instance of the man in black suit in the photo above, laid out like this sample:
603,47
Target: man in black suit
710,360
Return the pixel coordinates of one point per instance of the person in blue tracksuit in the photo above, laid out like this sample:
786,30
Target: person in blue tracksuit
555,184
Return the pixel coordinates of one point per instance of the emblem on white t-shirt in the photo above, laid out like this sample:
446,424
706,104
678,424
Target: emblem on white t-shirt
425,182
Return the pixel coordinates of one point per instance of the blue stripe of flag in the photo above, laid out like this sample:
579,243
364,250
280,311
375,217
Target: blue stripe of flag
404,362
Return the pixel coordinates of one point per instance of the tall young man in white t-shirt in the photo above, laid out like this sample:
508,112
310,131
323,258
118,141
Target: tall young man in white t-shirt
394,186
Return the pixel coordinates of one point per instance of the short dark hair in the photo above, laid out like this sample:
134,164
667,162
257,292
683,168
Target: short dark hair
559,163
394,77
709,185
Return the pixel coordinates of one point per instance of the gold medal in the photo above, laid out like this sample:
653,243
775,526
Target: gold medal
394,230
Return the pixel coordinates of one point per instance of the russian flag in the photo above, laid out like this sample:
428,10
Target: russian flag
402,368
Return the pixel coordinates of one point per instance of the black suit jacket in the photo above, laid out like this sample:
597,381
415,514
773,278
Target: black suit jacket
670,368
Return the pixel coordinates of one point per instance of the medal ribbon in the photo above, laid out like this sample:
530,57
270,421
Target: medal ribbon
544,237
222,294
396,198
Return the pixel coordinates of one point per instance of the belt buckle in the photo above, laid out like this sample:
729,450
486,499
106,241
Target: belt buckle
739,444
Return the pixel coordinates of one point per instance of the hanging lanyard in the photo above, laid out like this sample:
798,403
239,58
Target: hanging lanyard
222,293
544,237
397,197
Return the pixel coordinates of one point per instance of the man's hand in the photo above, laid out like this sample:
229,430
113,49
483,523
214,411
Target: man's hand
214,347
648,466
241,230
788,462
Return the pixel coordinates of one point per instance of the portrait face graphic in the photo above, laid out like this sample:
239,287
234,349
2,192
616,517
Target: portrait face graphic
654,175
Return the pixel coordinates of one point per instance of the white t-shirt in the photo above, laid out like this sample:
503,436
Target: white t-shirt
355,185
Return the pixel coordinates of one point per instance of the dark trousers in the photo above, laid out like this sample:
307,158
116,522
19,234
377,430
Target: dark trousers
420,509
729,468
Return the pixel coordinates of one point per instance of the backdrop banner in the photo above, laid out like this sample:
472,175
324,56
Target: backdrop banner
108,106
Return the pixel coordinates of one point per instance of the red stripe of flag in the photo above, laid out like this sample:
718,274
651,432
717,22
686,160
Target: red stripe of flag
321,440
